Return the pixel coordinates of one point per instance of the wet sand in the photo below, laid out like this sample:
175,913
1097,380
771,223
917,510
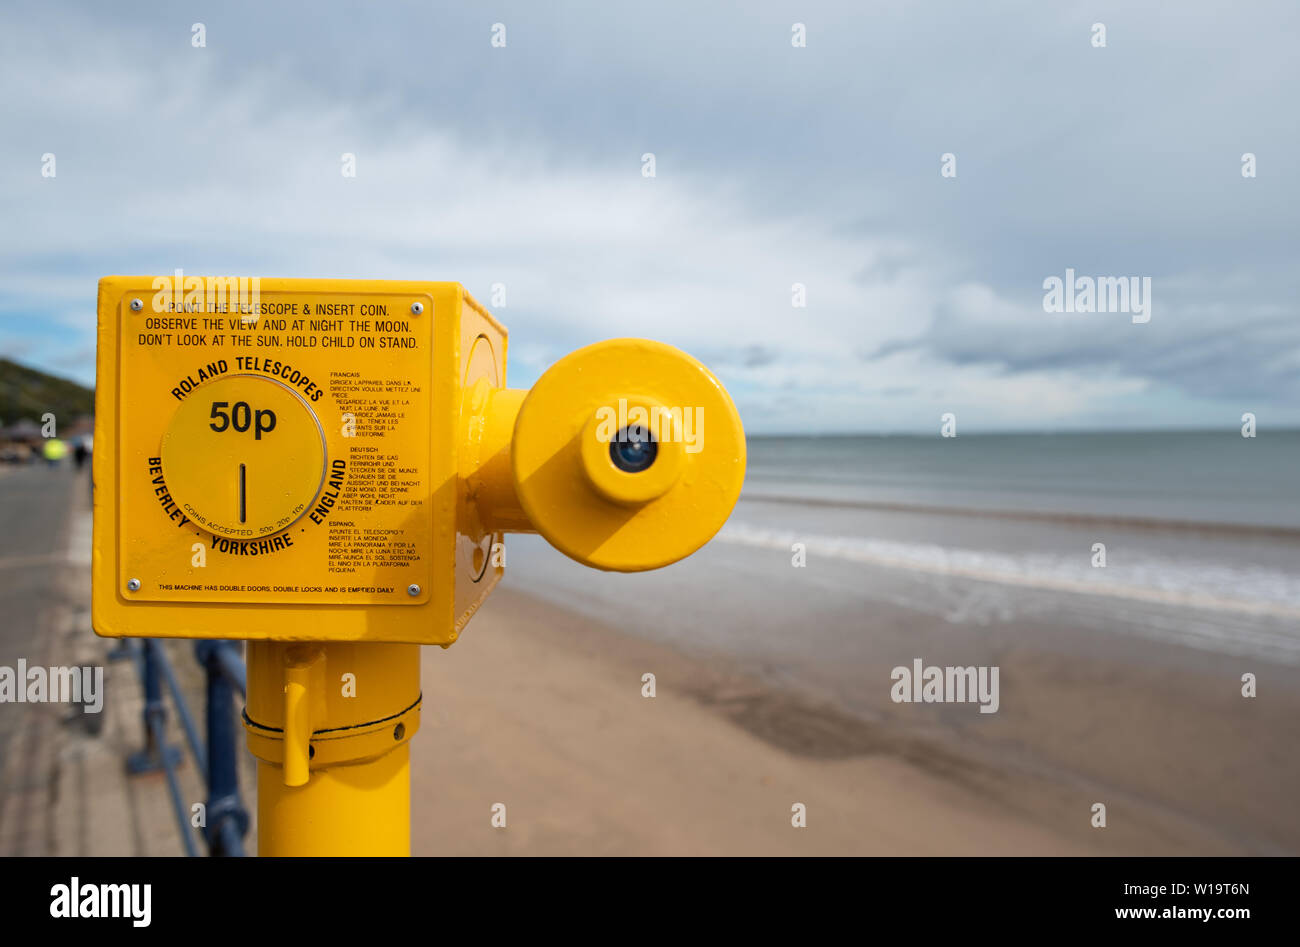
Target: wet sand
541,709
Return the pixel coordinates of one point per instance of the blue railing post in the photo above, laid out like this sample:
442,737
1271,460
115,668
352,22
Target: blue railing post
156,754
227,819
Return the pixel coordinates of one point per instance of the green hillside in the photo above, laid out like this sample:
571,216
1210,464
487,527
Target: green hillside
27,393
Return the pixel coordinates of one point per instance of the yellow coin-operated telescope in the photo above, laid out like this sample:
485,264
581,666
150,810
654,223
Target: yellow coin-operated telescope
326,469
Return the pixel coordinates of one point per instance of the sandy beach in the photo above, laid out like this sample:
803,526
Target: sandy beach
541,710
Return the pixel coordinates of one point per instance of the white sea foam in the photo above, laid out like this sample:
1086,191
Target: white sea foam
1193,583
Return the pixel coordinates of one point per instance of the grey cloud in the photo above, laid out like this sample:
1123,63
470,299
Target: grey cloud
1239,351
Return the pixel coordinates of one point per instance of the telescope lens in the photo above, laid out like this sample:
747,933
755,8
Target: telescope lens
633,450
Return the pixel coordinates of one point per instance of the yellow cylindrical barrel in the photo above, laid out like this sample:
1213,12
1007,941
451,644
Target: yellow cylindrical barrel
357,809
330,724
613,461
494,478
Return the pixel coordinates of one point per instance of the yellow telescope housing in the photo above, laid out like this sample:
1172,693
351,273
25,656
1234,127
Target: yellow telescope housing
327,469
336,460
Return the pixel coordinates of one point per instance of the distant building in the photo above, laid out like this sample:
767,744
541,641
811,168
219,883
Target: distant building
24,431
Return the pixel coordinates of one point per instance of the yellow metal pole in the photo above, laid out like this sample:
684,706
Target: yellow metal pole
360,809
330,724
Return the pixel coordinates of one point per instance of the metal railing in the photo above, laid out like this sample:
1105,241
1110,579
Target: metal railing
225,821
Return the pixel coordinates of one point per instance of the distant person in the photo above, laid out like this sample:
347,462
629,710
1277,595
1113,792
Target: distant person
54,450
81,453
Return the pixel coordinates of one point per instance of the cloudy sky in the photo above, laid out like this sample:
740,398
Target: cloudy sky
774,164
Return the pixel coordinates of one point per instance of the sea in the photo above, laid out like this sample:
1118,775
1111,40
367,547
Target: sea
1185,538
